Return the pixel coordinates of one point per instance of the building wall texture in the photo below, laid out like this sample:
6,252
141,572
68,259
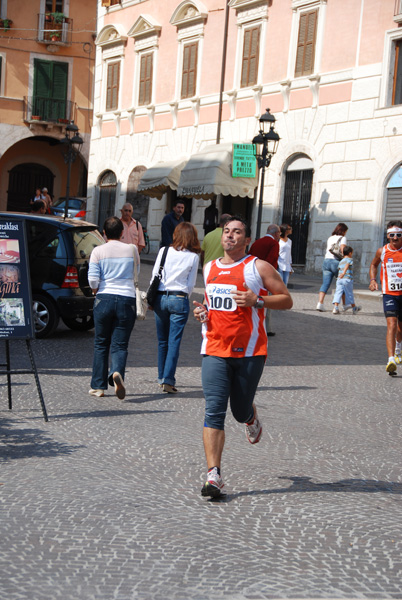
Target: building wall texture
340,116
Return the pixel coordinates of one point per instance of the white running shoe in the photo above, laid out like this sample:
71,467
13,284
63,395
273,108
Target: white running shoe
98,393
254,429
336,310
398,358
391,365
213,485
346,307
320,307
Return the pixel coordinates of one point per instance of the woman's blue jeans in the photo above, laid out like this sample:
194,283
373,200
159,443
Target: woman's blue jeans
114,318
171,315
329,271
284,275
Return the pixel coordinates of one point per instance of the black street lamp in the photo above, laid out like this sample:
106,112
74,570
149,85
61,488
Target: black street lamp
72,143
269,140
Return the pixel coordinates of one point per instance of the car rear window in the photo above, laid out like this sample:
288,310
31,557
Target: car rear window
74,203
84,241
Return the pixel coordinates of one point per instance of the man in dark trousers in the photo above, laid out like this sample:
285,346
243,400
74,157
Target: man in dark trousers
170,222
267,248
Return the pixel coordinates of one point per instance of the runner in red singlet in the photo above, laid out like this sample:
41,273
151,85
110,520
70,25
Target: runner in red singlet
234,343
390,258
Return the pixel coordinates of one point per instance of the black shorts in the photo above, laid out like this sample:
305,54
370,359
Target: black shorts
392,306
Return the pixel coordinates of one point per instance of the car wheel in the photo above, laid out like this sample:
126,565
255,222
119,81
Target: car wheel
80,323
45,316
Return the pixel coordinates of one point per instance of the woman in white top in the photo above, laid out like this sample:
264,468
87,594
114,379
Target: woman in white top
330,264
172,303
285,253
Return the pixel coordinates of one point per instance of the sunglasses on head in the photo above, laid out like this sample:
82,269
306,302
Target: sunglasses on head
394,235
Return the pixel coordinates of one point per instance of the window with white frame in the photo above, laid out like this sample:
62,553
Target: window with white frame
189,18
112,41
307,37
252,21
391,80
145,31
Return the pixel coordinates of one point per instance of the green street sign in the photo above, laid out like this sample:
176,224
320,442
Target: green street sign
244,161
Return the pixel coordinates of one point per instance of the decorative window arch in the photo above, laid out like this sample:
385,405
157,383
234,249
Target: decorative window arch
145,32
112,40
189,18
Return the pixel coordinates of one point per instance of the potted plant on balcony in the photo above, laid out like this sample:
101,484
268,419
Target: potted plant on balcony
59,17
5,24
55,37
36,118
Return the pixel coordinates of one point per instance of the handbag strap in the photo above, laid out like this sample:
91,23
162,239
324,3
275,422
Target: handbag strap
162,263
135,265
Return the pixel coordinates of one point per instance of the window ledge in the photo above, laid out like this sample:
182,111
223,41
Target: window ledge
398,18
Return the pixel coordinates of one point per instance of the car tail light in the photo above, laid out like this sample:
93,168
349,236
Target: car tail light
71,278
81,214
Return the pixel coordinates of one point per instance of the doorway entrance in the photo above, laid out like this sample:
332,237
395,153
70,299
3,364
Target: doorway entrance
296,206
22,183
107,196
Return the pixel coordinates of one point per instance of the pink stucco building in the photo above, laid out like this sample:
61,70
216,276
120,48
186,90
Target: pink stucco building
330,72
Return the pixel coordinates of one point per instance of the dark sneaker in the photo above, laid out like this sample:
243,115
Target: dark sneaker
254,429
213,485
119,388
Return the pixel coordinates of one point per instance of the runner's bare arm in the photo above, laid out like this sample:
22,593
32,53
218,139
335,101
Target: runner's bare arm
373,285
280,299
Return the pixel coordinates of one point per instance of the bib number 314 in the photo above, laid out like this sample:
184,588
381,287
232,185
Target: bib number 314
220,297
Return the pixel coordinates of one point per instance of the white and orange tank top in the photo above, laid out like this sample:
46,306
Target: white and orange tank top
391,271
233,331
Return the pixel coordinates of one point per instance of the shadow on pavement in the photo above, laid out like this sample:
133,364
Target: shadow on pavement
26,443
304,484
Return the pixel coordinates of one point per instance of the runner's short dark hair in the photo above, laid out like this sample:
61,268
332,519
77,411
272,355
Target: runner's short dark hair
242,220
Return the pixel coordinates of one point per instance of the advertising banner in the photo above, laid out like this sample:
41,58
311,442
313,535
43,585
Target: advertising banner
244,160
15,287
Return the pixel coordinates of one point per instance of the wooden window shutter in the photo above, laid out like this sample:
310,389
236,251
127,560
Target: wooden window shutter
105,2
145,93
189,75
112,93
251,49
397,84
306,43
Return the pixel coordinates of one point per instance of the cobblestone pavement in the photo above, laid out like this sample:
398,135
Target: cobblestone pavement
103,501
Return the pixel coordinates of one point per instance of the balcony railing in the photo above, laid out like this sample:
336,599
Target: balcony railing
49,110
54,30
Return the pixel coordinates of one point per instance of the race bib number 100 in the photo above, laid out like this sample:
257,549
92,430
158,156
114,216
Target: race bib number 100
394,272
220,297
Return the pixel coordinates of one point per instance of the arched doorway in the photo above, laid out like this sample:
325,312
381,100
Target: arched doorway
139,202
296,205
22,183
107,196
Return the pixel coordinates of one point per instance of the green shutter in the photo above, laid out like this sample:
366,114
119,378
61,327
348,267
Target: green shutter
50,89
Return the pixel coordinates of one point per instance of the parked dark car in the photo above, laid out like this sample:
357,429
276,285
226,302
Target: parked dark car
59,252
77,208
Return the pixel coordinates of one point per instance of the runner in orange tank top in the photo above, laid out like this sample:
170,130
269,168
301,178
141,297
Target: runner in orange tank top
234,341
390,258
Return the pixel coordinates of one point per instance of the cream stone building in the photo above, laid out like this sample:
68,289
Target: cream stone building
170,74
47,58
